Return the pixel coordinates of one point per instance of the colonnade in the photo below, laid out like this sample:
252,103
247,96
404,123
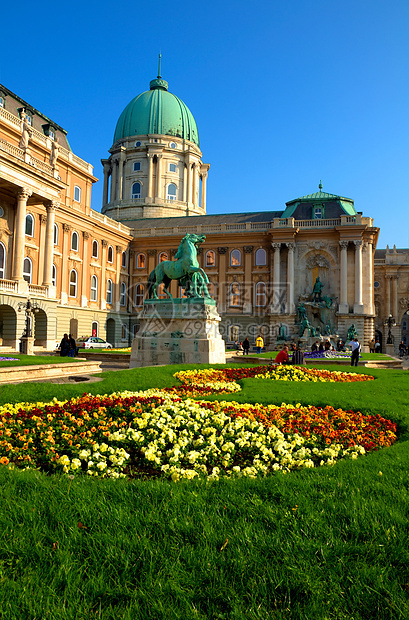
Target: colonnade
115,188
363,258
391,295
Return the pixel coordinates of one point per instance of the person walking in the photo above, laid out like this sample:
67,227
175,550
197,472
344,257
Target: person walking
259,343
355,351
246,346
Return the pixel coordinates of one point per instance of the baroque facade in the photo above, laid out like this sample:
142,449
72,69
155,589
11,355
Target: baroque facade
87,271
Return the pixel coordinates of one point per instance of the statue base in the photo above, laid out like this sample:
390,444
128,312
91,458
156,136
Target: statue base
178,331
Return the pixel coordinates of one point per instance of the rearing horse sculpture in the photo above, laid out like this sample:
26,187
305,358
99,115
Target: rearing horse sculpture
185,269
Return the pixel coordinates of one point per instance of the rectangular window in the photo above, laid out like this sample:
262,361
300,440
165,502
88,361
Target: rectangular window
172,167
77,194
136,166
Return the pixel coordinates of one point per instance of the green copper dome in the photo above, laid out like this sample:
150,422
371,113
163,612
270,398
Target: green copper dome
157,111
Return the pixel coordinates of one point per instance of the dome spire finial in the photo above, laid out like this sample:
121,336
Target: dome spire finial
320,186
159,68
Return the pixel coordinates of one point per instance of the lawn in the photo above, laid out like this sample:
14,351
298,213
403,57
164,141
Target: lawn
326,543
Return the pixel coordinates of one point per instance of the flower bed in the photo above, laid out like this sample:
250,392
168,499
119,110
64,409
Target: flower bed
156,433
328,355
9,359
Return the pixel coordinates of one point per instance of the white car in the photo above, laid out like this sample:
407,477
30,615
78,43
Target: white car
93,343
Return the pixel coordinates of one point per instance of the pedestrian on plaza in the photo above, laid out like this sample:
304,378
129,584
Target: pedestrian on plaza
402,348
314,346
282,356
371,344
64,346
246,346
321,346
327,345
259,343
356,349
298,357
73,347
377,346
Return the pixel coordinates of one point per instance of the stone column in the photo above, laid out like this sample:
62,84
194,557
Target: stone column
49,243
204,188
276,297
194,183
185,182
158,176
121,166
41,248
394,282
222,279
64,267
343,306
113,180
117,285
86,276
368,252
358,305
20,233
102,288
107,171
248,302
290,276
150,175
388,295
189,182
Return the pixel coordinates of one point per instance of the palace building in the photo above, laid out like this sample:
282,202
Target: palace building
86,272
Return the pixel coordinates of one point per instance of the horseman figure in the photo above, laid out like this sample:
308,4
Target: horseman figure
185,268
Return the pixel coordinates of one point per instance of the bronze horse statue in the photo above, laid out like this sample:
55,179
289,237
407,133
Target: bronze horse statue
185,268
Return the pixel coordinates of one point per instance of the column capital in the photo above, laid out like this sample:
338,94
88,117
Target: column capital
85,234
222,250
276,246
358,243
53,205
24,193
104,243
248,249
344,244
290,246
151,252
43,218
118,248
66,227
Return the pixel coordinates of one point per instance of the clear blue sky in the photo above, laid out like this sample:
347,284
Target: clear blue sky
284,93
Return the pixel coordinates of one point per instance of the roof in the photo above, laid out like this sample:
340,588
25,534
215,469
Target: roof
346,204
157,112
200,220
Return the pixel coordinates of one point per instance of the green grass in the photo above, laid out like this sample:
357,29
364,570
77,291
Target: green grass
30,360
326,544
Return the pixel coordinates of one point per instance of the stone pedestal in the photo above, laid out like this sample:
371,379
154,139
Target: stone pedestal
178,331
27,345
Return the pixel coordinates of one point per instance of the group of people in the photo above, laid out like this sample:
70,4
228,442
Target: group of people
68,346
374,346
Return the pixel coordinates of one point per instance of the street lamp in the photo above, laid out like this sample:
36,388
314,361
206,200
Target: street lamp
29,308
390,323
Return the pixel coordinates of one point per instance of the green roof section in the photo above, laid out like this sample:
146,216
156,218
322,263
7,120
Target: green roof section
159,112
346,204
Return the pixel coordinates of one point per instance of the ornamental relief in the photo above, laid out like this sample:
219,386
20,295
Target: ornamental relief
318,261
404,303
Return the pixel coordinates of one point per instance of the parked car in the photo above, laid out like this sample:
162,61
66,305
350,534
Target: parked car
93,343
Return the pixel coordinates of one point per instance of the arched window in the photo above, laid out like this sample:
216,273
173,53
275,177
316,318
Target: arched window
73,283
74,241
77,193
109,291
95,249
2,261
139,294
124,259
261,295
234,294
122,301
55,234
136,190
162,257
27,270
235,258
210,260
110,257
29,225
171,193
94,329
261,257
94,288
140,261
54,276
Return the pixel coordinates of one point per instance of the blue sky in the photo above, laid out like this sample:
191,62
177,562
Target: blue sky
284,93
